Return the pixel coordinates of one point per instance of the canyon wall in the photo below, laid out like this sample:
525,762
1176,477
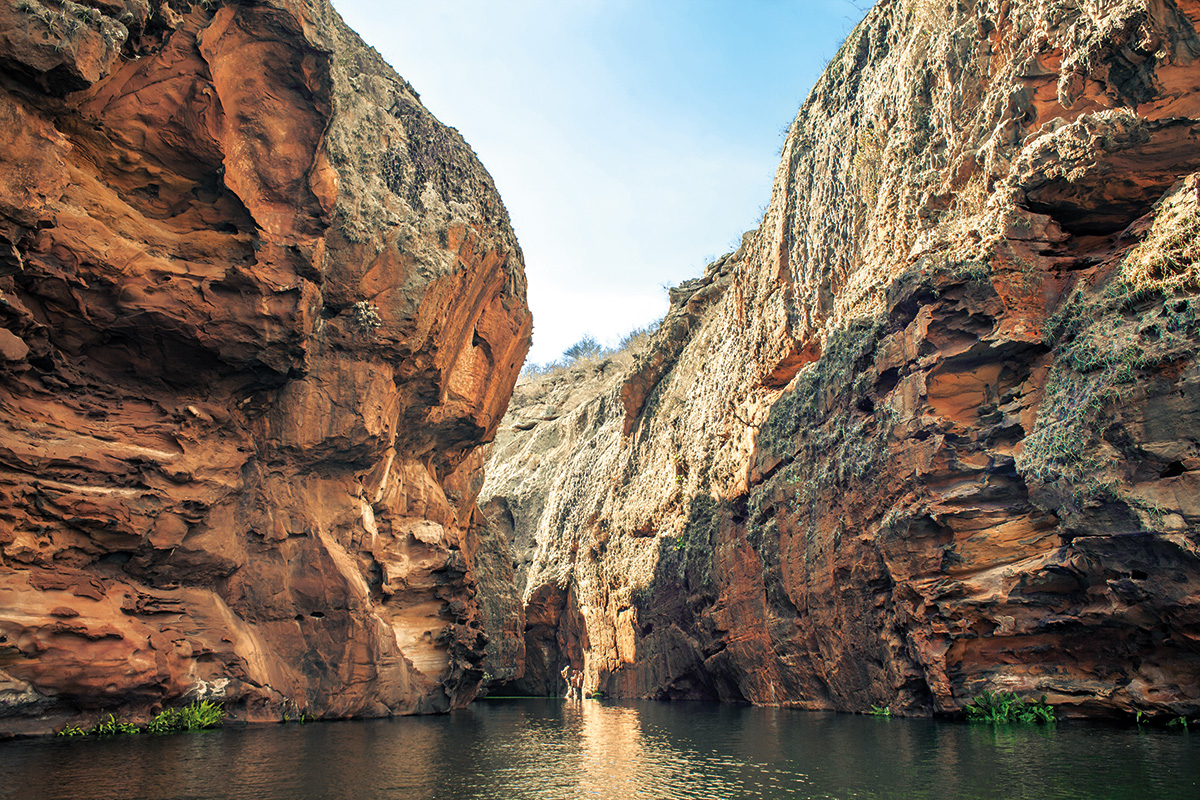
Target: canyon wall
258,311
934,428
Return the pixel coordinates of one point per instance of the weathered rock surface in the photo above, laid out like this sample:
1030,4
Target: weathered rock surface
933,429
258,310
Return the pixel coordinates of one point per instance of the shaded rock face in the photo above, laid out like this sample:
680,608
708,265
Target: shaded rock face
933,428
258,310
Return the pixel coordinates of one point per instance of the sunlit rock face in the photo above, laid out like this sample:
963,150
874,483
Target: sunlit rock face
258,311
933,428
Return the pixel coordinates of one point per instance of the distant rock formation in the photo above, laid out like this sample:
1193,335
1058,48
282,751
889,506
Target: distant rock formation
935,427
258,310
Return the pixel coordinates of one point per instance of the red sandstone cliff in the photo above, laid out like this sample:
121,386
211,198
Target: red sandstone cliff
933,429
258,310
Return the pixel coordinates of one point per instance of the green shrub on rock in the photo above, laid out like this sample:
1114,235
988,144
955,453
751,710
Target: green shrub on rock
194,717
112,725
998,708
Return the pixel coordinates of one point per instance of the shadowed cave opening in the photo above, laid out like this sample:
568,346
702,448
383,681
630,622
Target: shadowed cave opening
1173,470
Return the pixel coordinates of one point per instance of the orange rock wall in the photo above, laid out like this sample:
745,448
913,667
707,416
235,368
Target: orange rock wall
932,429
258,310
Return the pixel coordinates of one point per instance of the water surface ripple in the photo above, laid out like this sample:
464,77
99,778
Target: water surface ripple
550,750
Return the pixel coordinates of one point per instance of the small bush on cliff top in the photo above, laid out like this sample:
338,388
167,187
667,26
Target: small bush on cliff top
112,725
639,338
587,347
585,350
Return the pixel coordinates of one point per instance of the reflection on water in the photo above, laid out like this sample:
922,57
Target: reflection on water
548,749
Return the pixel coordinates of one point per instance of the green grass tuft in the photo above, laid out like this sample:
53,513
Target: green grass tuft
194,717
112,726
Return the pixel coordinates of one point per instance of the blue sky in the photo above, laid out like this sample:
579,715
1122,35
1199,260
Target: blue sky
632,142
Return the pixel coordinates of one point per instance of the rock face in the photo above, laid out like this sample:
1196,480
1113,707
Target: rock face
933,429
258,310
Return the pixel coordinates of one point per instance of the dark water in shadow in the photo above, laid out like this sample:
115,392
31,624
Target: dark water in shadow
553,749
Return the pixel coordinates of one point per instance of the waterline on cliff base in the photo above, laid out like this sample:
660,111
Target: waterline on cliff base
590,749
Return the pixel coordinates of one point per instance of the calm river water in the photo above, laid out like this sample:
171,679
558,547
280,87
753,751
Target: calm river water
549,749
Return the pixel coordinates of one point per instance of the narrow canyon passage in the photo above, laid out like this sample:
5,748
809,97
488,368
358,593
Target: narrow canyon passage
930,431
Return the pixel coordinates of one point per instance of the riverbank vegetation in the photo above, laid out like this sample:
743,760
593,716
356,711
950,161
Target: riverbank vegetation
193,717
998,708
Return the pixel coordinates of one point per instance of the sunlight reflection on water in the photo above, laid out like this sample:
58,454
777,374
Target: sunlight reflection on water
545,749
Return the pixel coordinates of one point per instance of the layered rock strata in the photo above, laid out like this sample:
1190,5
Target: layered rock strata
258,310
933,429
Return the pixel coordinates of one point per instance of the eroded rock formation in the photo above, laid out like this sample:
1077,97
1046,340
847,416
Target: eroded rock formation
935,427
258,310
